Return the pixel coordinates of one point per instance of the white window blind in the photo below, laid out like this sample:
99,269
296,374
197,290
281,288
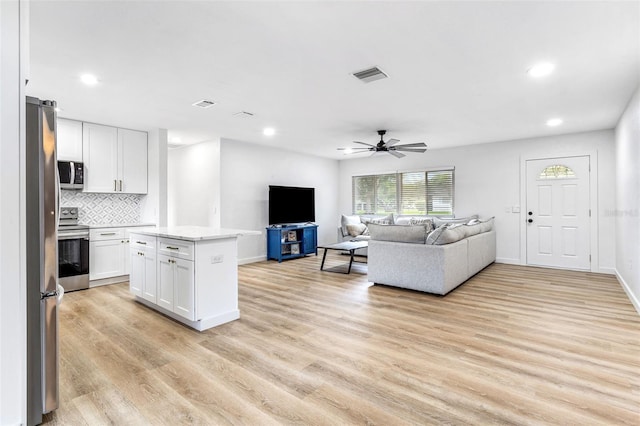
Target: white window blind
418,193
440,192
413,193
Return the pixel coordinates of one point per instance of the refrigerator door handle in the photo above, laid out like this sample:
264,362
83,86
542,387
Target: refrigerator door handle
60,295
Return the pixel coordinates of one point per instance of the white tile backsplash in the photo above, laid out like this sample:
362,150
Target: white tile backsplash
95,209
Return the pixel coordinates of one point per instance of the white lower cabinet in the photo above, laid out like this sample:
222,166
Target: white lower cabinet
142,279
176,285
108,253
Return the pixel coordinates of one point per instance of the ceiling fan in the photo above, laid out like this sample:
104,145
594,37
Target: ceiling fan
388,146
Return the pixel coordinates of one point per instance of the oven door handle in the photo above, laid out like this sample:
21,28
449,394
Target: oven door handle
73,236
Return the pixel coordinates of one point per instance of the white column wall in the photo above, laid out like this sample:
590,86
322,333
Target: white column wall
193,188
487,182
247,170
153,207
13,62
627,211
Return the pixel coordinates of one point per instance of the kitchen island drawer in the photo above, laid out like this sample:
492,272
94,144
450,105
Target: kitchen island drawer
142,241
176,248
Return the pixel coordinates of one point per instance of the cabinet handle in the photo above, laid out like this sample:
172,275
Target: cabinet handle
173,248
115,187
121,186
141,242
108,233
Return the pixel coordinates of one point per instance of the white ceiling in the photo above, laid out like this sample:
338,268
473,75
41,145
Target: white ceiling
457,69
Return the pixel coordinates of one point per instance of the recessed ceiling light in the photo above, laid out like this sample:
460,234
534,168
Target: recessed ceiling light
553,122
89,79
542,69
269,131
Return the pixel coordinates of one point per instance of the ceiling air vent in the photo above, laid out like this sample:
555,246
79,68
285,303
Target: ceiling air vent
369,75
243,114
203,104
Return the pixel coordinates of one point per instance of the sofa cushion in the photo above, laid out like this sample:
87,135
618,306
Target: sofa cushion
436,234
348,220
355,229
398,233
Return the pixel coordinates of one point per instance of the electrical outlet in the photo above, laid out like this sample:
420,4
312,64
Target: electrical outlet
219,258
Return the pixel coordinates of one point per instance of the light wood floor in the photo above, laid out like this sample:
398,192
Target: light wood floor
513,345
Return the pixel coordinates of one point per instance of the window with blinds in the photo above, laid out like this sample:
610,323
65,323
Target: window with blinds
418,193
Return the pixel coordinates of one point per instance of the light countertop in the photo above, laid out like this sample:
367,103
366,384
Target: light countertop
120,225
195,233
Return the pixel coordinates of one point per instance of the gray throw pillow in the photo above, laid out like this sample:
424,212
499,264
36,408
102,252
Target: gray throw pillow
398,233
451,234
434,235
427,222
438,221
385,220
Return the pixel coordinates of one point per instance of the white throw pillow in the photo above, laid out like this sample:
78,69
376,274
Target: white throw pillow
348,220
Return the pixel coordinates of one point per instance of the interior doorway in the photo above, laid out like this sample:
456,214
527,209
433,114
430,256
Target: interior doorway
558,212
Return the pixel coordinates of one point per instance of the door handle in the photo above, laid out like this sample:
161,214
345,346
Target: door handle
530,220
120,186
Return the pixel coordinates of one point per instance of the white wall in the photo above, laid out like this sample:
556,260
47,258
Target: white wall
12,214
247,170
627,212
193,185
487,182
153,208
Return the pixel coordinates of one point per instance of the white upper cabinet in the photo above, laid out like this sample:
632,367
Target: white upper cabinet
132,161
115,160
69,141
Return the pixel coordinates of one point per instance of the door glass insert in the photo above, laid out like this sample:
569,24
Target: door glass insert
557,171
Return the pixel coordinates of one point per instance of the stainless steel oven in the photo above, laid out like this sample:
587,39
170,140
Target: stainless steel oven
73,251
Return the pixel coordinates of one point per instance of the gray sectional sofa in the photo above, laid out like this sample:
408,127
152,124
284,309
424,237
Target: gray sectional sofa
421,260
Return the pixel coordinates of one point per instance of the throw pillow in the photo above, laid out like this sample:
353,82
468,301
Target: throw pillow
386,220
398,233
356,229
451,235
427,222
348,220
434,235
438,221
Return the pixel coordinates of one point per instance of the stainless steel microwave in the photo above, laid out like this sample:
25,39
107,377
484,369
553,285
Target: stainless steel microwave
71,174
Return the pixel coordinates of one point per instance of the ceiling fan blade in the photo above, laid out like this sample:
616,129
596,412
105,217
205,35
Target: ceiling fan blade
396,153
353,149
411,149
392,142
413,145
363,143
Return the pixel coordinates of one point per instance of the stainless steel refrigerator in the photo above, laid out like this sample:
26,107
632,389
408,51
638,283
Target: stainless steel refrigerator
43,293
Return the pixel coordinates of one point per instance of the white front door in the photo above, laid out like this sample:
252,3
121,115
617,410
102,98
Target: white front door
558,215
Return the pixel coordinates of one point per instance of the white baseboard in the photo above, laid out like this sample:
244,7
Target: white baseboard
108,281
608,271
632,297
508,260
251,260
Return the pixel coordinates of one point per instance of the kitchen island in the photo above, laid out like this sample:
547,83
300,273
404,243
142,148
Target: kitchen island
188,273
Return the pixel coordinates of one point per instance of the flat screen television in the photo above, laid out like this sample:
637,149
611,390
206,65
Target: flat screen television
290,204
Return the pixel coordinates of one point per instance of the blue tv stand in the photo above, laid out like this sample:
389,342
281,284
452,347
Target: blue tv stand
291,241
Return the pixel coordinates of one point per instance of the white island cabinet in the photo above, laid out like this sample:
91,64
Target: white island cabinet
188,273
